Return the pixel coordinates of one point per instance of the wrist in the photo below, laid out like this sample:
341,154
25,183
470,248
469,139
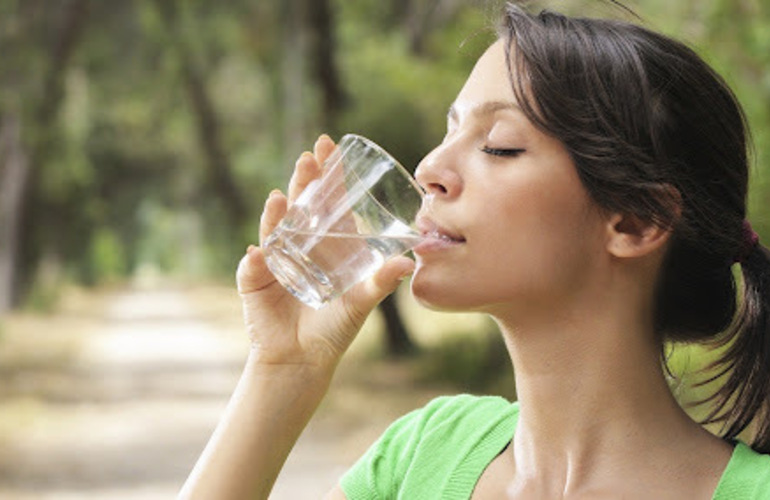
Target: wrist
315,374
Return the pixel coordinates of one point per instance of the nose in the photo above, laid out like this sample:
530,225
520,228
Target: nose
437,175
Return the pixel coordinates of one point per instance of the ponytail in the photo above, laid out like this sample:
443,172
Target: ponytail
745,396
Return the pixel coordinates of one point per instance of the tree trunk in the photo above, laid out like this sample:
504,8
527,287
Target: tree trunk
36,219
324,64
321,28
398,341
425,16
210,139
208,123
13,177
294,21
399,10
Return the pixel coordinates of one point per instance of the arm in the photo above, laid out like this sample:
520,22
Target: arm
265,416
294,353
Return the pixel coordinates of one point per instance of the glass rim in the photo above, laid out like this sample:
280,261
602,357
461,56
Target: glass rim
401,169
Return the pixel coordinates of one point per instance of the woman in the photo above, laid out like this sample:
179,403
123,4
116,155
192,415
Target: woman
590,196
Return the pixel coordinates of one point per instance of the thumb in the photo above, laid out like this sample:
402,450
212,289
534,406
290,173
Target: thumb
365,296
252,274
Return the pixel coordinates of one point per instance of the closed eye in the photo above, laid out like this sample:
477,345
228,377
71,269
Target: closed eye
502,152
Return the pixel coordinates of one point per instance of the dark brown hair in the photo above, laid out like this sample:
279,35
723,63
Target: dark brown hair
655,132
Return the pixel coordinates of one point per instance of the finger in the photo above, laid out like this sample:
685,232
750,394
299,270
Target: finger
323,148
365,296
252,274
305,170
275,209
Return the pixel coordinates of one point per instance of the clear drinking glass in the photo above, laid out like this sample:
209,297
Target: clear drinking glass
346,224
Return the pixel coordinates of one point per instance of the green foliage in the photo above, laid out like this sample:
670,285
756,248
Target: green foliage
386,108
45,293
43,298
126,134
107,255
476,363
400,99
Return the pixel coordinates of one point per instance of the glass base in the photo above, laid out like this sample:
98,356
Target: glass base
297,274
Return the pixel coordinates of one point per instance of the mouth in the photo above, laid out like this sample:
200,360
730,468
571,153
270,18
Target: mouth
431,230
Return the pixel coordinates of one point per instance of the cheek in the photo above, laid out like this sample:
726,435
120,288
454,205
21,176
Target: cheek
541,242
534,247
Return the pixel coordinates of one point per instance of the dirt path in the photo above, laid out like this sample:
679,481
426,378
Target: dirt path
114,397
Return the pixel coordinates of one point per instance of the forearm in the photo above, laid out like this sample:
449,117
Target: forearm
264,418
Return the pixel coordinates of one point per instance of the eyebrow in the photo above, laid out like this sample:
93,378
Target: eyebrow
485,108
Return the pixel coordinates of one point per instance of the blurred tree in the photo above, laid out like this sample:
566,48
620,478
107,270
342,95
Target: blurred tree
13,179
321,26
43,40
323,58
421,17
294,22
159,127
179,27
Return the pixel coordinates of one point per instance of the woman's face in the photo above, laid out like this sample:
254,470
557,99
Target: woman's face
513,225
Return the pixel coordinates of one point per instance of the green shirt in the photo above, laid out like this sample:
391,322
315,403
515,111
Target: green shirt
441,450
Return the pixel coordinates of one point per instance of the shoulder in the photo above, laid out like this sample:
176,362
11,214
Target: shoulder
747,476
466,407
464,417
446,414
425,446
448,417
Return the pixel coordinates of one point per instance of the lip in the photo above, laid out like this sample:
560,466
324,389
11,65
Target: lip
436,237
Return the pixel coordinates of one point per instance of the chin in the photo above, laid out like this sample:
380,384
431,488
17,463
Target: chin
447,297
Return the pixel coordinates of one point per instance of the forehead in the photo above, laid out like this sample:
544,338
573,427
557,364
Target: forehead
488,82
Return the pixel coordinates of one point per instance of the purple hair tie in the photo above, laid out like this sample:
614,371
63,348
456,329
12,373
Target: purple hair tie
750,241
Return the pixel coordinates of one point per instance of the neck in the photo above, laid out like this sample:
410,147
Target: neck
590,387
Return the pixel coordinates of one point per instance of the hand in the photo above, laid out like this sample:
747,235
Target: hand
284,331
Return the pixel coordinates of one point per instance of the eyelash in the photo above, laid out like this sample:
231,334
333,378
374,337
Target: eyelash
502,152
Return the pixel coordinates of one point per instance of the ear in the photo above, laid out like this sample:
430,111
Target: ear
631,237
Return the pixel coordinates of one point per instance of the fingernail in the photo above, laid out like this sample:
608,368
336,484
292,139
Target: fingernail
251,249
302,157
274,193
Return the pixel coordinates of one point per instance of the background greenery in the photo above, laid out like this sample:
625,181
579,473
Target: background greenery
141,137
150,131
